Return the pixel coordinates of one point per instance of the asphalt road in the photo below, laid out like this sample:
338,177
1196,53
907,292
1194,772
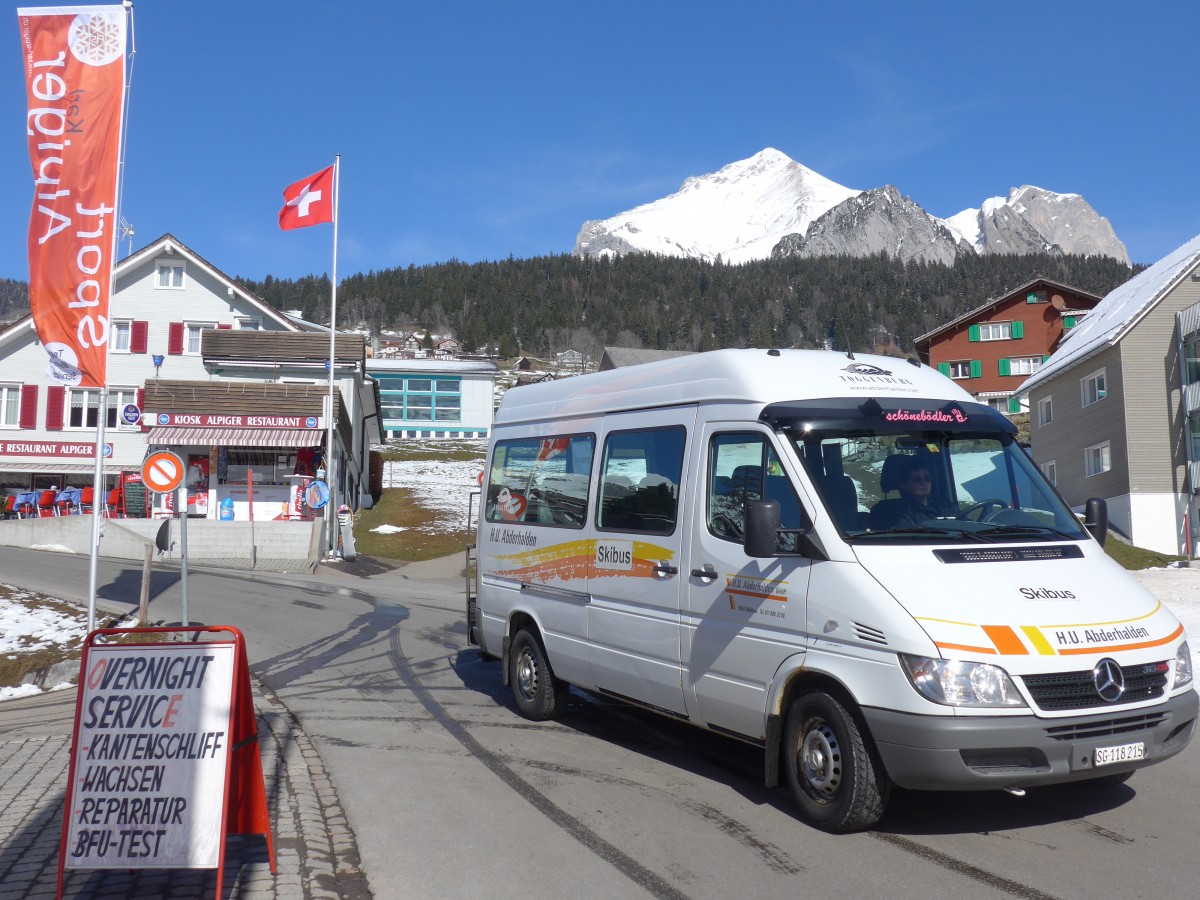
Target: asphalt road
451,794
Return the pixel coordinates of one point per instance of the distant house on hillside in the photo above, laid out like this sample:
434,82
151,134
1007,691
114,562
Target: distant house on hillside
617,357
1116,409
569,359
990,349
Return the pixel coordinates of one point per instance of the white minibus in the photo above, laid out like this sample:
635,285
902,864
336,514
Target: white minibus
843,559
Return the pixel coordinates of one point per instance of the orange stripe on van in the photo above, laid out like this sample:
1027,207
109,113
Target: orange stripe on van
1005,639
966,647
1118,648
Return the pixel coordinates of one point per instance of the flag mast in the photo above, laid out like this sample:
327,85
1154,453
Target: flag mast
331,506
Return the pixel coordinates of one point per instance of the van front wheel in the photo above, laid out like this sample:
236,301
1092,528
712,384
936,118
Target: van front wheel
539,695
831,767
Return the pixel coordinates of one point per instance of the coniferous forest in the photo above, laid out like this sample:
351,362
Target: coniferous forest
546,304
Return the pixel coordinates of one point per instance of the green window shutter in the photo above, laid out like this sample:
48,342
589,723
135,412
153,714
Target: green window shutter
1045,356
973,333
1018,330
944,368
1014,404
1068,322
976,368
1005,367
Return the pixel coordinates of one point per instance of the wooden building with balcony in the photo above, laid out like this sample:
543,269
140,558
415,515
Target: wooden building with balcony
990,350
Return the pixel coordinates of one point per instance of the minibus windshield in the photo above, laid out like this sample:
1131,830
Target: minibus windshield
901,470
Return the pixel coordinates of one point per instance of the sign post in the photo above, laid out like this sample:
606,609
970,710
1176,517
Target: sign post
164,757
162,473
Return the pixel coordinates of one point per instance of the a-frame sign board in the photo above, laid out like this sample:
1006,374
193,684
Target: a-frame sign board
165,762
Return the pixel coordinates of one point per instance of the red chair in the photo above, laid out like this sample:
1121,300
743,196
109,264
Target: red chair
10,506
62,507
45,505
112,506
85,500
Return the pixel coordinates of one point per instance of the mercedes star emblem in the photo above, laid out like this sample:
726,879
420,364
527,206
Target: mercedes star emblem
1110,682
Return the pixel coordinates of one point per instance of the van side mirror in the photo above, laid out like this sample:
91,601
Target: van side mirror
1095,519
761,535
762,521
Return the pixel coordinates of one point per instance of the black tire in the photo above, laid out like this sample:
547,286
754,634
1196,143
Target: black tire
831,766
538,694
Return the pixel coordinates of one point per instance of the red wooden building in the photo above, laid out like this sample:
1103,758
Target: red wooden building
994,347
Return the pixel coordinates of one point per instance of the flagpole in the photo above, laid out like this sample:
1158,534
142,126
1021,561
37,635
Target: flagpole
331,506
98,492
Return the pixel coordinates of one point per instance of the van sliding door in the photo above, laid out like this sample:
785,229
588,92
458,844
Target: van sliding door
634,580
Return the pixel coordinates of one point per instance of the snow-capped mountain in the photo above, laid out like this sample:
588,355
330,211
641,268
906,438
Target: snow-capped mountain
1030,219
738,213
770,205
874,221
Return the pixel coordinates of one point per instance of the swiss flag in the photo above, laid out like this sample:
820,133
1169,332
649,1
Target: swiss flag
308,202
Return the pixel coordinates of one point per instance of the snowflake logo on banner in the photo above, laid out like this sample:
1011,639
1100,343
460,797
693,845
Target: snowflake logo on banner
96,39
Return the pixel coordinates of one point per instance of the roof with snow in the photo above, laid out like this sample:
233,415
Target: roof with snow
1118,313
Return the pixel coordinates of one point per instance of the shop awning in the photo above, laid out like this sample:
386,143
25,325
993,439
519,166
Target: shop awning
237,437
29,466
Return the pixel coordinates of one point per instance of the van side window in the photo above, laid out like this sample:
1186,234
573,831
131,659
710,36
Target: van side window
744,467
639,480
541,481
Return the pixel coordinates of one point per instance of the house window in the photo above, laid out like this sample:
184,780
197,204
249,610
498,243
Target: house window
1050,470
1035,297
995,331
1097,459
246,323
120,336
194,332
1024,365
960,369
169,275
1045,411
10,405
83,403
1094,388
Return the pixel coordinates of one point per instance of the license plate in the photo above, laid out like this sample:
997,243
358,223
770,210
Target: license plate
1122,753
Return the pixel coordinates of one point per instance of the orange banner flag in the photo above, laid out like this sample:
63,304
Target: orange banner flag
75,87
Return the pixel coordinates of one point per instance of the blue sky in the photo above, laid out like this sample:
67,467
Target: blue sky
477,131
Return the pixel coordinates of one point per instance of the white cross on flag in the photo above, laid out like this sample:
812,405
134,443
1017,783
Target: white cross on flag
308,202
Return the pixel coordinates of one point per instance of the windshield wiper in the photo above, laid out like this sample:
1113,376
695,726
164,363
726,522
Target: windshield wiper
1030,530
952,535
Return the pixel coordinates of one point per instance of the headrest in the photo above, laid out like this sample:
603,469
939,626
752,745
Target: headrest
895,470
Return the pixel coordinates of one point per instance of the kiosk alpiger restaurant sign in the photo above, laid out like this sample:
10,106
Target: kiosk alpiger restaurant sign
213,420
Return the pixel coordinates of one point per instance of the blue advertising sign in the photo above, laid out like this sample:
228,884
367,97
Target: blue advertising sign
316,495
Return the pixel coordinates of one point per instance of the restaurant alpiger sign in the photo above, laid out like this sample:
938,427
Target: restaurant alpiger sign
51,448
224,420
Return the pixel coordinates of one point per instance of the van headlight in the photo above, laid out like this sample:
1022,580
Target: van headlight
1183,665
956,682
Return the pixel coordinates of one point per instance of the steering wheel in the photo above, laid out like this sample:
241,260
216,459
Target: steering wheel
984,508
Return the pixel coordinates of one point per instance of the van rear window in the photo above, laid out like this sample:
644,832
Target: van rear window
541,481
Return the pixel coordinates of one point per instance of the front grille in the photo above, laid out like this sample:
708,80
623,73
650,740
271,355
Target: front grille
1077,690
1102,728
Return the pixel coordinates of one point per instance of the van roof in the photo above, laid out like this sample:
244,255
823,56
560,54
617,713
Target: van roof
740,376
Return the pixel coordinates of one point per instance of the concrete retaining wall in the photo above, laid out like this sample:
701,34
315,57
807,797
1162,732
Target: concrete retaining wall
212,542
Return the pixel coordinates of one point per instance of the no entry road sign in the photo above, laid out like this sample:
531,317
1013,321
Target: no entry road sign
162,472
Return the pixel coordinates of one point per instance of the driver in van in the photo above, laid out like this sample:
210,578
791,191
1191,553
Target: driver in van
916,490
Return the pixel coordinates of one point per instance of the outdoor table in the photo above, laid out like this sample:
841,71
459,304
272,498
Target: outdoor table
70,496
27,497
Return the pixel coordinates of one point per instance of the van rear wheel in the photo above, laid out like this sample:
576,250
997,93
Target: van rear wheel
539,695
831,767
